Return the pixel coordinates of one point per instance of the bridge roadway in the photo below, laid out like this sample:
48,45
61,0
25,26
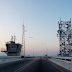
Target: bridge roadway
31,65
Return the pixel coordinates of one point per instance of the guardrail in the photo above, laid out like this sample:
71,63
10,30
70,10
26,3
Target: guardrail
63,58
7,57
65,62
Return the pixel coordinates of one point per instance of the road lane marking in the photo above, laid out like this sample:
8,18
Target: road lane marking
56,66
18,70
23,67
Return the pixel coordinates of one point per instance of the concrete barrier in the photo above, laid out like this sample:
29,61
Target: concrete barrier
7,57
64,59
62,64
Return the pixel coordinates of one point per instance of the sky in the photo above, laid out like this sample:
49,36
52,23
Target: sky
41,22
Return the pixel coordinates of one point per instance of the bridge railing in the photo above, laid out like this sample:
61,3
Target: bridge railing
64,59
8,57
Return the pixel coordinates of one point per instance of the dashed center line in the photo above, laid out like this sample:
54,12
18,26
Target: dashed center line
23,67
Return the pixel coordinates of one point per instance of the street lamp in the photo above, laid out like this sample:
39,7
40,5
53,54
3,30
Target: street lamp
46,47
28,37
38,51
24,44
33,51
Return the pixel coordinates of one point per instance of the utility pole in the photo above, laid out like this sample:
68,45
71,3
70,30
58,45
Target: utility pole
23,38
46,49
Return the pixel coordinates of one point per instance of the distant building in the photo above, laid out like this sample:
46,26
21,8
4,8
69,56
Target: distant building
12,48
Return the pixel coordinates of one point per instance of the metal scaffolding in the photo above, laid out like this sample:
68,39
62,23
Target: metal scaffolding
65,37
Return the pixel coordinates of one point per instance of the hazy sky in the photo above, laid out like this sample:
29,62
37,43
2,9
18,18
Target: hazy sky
40,19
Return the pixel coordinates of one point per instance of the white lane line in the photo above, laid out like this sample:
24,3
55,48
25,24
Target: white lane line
23,67
18,70
56,66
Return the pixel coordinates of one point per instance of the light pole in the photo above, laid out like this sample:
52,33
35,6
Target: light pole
46,47
28,37
33,51
38,51
24,43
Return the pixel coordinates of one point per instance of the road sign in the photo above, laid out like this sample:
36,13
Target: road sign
46,55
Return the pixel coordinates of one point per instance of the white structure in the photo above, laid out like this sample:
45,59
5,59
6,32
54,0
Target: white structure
12,48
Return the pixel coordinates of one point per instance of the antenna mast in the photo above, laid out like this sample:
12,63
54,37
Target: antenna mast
14,37
11,38
23,38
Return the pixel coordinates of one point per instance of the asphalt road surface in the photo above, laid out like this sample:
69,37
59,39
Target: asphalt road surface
32,65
